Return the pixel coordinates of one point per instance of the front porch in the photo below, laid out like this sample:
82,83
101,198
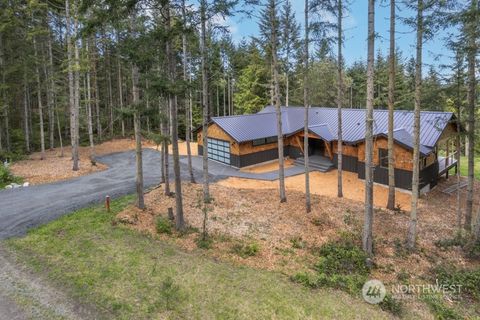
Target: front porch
316,162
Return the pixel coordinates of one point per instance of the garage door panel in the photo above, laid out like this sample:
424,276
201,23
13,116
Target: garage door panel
219,150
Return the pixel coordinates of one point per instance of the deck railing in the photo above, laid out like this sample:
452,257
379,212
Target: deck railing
445,163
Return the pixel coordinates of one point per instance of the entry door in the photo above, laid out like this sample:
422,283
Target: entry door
219,150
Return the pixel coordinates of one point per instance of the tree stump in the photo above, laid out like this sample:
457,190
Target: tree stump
171,217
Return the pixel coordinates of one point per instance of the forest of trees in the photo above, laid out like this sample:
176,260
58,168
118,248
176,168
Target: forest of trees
77,72
35,63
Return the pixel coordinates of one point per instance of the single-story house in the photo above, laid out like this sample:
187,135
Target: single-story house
245,140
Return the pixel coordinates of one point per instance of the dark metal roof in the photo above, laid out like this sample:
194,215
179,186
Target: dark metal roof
248,127
402,137
322,131
264,124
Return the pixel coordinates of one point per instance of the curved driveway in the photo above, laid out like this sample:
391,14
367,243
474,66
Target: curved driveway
24,208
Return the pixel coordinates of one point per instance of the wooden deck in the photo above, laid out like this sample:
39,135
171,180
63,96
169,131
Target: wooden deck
445,164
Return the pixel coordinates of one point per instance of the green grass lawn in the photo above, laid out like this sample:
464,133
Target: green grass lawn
464,167
127,275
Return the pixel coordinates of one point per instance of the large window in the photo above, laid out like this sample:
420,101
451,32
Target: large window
383,158
262,141
219,150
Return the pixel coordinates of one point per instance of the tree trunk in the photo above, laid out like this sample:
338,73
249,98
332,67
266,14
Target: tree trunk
140,203
71,90
25,114
412,226
147,105
340,102
51,94
109,86
391,107
120,89
281,162
367,240
308,205
39,97
76,110
203,53
179,220
165,164
471,97
287,89
229,96
59,128
189,94
89,110
4,104
224,96
97,91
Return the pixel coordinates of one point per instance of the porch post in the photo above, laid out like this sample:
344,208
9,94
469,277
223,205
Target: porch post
448,157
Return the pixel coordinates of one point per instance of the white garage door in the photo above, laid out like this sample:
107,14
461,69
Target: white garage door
219,150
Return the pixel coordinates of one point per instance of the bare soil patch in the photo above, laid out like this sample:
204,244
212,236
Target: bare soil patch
326,184
267,167
57,168
287,236
182,148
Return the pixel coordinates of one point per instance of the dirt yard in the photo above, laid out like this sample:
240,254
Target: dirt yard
256,216
267,167
326,184
57,168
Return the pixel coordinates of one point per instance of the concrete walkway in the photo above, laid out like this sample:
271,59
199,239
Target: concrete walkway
221,170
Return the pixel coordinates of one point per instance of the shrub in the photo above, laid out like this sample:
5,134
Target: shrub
403,276
342,258
349,218
322,220
341,265
6,177
170,293
469,280
246,250
298,243
10,156
391,305
439,309
204,242
308,279
459,240
163,225
472,250
400,249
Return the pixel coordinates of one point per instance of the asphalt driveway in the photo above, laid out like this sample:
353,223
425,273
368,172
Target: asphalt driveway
24,208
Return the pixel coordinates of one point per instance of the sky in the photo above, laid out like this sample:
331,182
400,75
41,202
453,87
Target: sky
355,32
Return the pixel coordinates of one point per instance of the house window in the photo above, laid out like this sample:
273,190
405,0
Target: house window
262,141
271,140
258,142
383,157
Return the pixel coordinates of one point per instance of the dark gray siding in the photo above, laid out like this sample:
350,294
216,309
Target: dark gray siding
258,157
429,175
403,178
349,163
294,152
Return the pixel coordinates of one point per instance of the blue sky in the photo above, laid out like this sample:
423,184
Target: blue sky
355,26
